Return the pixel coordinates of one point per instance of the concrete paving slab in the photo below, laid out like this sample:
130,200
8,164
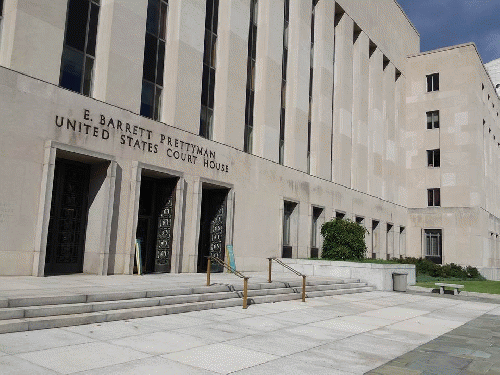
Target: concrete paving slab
171,322
402,336
277,343
161,342
112,330
429,326
10,365
345,326
289,365
151,365
317,333
216,332
221,358
74,358
347,361
28,341
373,345
395,313
261,324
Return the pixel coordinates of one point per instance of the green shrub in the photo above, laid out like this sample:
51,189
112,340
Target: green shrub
343,240
427,269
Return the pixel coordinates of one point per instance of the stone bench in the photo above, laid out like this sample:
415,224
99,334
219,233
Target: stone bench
456,287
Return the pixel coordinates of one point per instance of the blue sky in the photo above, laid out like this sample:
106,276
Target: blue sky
444,23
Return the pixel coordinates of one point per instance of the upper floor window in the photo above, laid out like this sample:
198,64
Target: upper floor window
434,197
284,64
433,82
250,99
209,59
433,158
77,63
1,18
433,120
154,58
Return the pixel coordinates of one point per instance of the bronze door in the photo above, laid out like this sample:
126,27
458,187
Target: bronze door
68,218
155,223
212,228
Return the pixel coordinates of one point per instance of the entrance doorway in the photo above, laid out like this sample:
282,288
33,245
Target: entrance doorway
155,223
212,240
68,218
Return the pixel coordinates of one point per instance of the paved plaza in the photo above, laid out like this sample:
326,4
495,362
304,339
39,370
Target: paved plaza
345,334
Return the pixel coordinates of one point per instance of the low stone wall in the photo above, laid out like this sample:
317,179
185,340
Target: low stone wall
378,275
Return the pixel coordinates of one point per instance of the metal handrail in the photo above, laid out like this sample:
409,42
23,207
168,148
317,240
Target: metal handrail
290,269
232,270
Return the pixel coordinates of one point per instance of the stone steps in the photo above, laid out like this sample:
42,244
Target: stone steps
42,312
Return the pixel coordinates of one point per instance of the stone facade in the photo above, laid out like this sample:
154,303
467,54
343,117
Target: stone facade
354,150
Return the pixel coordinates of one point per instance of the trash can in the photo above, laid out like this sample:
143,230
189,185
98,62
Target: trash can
399,282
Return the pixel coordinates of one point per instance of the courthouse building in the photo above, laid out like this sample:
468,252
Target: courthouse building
194,125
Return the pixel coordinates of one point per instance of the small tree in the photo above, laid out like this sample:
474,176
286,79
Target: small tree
343,240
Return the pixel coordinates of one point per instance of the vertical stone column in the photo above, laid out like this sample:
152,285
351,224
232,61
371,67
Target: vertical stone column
231,75
297,90
376,132
266,125
120,53
184,64
359,165
389,167
321,116
342,102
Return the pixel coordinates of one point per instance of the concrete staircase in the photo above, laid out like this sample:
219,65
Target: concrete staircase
42,312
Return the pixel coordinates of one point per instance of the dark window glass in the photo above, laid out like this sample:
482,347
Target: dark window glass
71,69
77,60
252,51
209,61
283,83
94,16
433,82
433,245
147,99
433,197
433,158
154,58
76,24
311,75
433,120
1,8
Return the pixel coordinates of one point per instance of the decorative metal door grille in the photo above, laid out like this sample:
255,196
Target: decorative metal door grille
218,235
164,236
68,218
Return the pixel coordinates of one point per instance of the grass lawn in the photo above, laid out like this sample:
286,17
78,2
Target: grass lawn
492,287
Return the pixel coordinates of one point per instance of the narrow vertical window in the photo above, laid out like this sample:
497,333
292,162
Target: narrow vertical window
314,231
433,82
311,74
209,60
252,52
77,62
433,197
433,120
433,158
288,209
1,19
283,82
154,59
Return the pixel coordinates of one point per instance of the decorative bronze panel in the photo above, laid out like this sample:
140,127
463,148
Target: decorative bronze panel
164,236
68,218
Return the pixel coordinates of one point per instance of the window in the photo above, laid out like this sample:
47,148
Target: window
283,82
339,215
209,61
1,18
433,82
154,58
311,73
287,233
433,245
252,53
314,231
433,197
433,120
77,62
433,158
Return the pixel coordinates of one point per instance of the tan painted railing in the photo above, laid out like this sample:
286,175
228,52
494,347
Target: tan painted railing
269,279
232,270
